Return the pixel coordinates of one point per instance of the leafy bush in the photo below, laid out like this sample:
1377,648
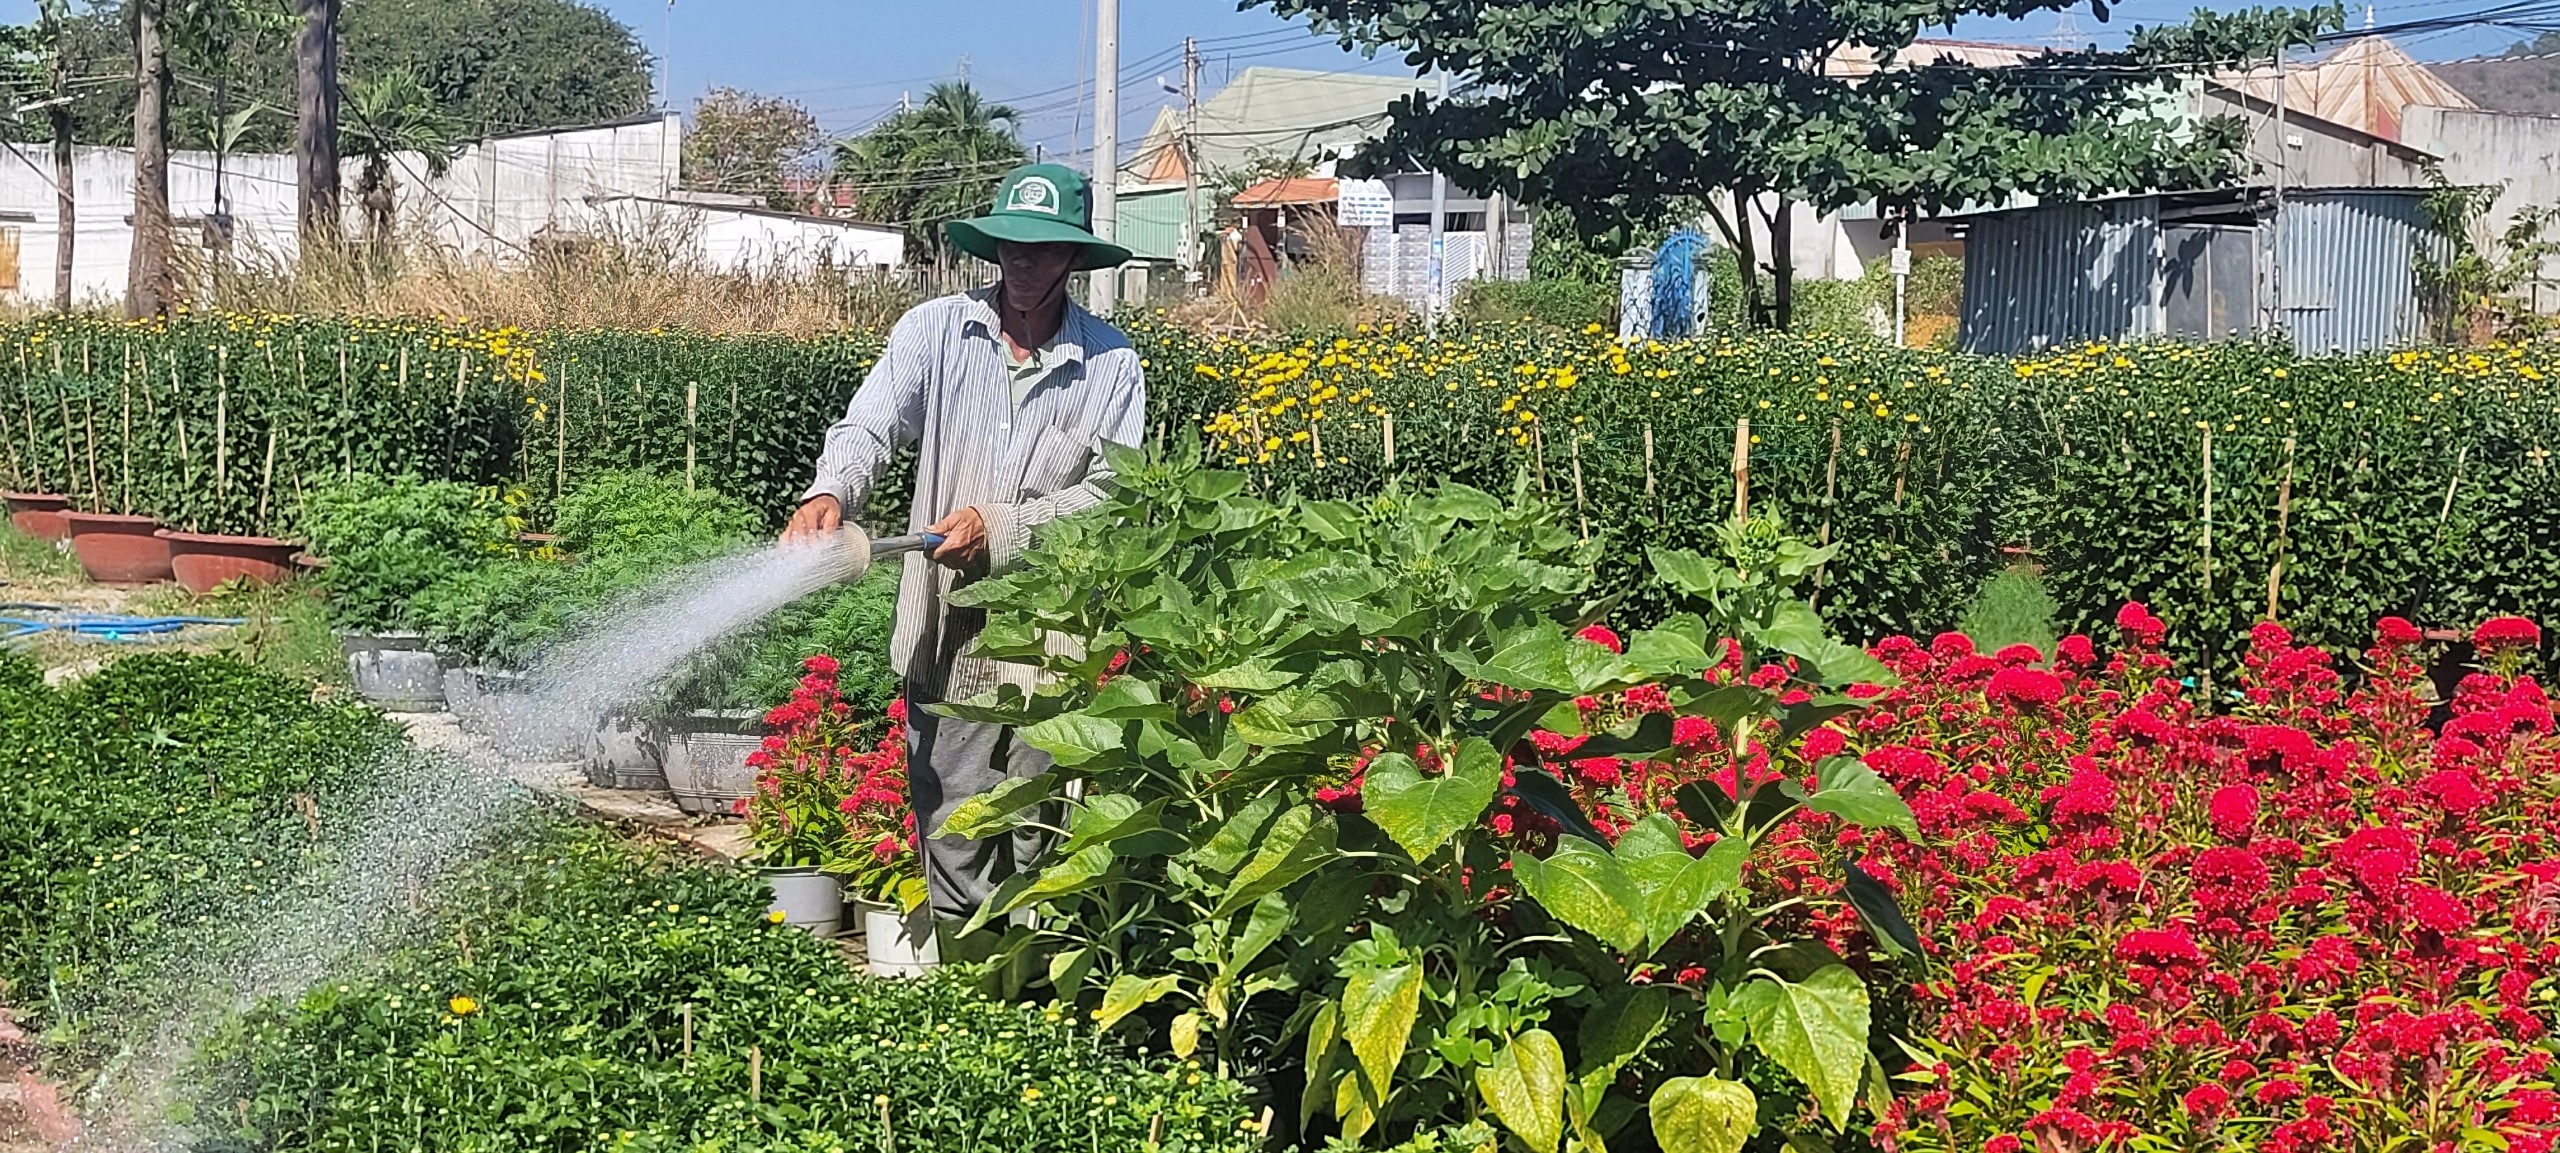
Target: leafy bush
2012,609
1566,304
621,511
848,623
547,1008
388,538
135,804
2309,924
820,804
1289,723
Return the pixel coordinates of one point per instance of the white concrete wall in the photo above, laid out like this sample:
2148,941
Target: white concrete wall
2518,153
497,196
745,240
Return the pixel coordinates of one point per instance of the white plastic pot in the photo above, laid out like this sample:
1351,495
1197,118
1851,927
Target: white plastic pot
899,944
807,898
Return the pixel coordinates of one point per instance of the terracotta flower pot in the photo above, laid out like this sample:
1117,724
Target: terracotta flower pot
39,514
203,561
119,550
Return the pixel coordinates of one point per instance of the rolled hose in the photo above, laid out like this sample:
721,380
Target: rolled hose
107,627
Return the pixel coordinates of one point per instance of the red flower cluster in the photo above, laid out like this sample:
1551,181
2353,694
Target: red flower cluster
2273,929
822,797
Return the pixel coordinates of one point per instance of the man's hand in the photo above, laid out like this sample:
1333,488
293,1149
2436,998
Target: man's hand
964,539
818,519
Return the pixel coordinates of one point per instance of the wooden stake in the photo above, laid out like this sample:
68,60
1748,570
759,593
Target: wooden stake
1538,434
70,454
1648,459
89,427
1155,1130
560,432
689,387
2459,456
2284,517
124,483
267,480
755,1073
888,1138
221,434
1315,441
688,1036
1830,496
1387,437
1576,442
1742,470
2204,675
1901,473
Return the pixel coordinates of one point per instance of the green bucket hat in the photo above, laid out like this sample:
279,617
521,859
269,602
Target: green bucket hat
1038,204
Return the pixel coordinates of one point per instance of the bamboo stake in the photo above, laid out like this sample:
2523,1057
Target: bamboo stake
70,457
1830,498
560,432
124,483
2459,456
688,1036
1576,442
1648,459
222,438
888,1139
2204,676
267,479
1742,470
1387,436
689,387
1315,441
346,415
1538,433
2284,518
755,1073
89,426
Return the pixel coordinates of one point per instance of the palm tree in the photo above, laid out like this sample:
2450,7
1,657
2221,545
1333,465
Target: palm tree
388,115
938,161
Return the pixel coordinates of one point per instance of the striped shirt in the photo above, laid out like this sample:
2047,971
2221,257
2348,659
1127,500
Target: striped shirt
945,384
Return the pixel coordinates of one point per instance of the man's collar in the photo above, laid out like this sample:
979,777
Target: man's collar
1067,345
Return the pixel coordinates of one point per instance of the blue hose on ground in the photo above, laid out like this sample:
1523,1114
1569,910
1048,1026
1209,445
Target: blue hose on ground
1675,274
107,627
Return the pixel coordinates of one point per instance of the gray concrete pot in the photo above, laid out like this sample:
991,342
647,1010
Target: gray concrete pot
395,670
706,760
628,753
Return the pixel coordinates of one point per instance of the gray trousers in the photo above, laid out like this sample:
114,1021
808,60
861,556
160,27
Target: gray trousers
949,761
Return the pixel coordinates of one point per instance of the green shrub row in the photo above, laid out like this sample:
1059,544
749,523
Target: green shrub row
2417,483
580,993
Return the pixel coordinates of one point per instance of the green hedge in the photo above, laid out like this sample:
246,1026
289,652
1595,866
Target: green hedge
580,957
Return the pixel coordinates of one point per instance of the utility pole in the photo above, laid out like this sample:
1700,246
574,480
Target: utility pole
667,63
1106,146
1439,241
2275,215
315,130
1901,276
56,23
1191,157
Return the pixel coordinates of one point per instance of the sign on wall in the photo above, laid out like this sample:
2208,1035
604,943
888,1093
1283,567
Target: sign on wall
1365,203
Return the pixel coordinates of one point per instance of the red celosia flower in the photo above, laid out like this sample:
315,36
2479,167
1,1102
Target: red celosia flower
2233,811
2024,689
2397,632
2138,624
1601,636
2506,633
2159,947
2205,1102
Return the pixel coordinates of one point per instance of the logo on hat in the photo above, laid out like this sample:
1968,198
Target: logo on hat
1033,194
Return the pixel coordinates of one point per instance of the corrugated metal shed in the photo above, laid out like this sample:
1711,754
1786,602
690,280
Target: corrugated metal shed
2198,265
1149,224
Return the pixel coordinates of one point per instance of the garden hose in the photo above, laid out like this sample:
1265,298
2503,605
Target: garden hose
106,627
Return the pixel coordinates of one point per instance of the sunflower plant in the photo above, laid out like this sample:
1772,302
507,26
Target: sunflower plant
1233,665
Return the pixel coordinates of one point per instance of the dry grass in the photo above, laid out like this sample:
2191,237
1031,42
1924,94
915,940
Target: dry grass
635,281
1319,292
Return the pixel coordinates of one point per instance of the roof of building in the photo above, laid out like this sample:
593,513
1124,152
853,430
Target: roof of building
1285,113
2364,85
1850,62
1291,190
745,210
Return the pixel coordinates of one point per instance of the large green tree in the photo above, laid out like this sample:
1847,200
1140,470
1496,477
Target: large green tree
492,66
938,161
1630,111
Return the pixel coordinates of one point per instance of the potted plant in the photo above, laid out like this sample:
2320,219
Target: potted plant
41,515
204,562
118,549
385,540
883,871
805,784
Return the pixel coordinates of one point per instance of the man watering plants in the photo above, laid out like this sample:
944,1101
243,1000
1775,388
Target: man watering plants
1008,393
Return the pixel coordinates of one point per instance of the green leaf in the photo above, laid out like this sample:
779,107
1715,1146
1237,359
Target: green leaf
1129,993
1564,718
1272,916
993,811
1421,813
1876,906
1846,788
1704,1115
1620,1027
1236,835
1645,738
1552,800
1675,647
1671,885
1300,840
1074,738
1532,658
1111,817
1128,699
1583,886
1688,572
1524,1086
1184,1034
1258,675
1379,1007
1816,1031
1069,875
1332,521
1067,969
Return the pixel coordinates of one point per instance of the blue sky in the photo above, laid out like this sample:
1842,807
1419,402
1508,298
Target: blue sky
848,60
